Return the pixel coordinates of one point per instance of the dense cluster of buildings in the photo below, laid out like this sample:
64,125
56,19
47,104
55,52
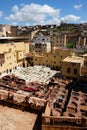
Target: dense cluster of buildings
40,48
43,61
12,54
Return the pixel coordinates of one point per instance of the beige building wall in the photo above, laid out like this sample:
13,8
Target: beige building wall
57,127
53,60
33,34
5,30
84,67
84,71
58,40
13,54
71,66
14,31
82,41
38,60
8,30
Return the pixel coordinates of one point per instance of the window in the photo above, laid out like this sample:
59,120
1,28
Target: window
75,71
68,70
7,70
10,70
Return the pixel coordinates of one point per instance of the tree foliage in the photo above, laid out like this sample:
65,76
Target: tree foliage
69,45
85,51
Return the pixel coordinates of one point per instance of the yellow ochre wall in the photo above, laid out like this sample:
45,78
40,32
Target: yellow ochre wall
13,54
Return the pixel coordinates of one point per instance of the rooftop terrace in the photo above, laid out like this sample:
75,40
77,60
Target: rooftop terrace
73,59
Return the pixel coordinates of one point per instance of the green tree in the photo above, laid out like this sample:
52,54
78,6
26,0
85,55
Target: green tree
85,51
69,45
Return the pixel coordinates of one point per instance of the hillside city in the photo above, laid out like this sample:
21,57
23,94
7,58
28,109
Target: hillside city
43,71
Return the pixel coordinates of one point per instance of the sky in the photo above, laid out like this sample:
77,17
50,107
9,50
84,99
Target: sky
41,12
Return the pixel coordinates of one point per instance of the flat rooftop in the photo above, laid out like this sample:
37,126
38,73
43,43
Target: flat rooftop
13,39
14,119
85,55
73,59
